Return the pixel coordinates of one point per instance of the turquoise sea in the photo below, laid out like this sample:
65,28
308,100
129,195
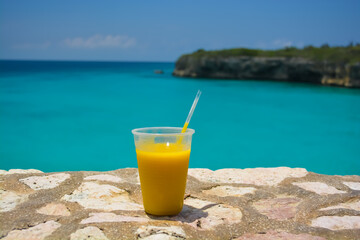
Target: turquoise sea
60,116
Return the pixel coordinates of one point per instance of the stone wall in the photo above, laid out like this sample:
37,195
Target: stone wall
260,203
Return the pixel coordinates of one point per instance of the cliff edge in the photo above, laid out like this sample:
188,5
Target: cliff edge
294,65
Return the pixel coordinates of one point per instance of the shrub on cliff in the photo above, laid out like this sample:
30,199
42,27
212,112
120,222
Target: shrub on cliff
325,53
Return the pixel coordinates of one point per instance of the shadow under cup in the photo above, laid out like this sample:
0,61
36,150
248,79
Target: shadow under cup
163,159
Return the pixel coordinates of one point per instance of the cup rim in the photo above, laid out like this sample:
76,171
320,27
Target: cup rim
137,131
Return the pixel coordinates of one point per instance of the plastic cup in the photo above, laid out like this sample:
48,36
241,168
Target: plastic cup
163,159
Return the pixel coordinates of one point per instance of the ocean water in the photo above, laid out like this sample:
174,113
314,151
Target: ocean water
67,116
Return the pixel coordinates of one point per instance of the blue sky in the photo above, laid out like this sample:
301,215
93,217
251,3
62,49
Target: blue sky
163,30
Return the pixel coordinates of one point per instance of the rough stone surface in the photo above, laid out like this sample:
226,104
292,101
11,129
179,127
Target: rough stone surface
45,182
160,233
103,197
205,215
56,209
105,177
337,223
254,176
319,188
9,200
111,217
281,208
227,191
38,232
354,205
19,171
88,233
279,236
353,185
260,203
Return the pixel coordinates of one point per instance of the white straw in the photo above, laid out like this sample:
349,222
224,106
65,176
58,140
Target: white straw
193,106
191,111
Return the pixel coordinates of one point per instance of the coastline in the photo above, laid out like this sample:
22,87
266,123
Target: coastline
291,66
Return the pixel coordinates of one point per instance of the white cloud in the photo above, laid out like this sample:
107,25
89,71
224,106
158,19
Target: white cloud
44,45
99,41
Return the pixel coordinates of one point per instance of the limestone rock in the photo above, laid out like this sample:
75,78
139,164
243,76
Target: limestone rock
244,67
103,197
354,75
88,233
318,187
45,182
111,217
255,176
336,222
206,215
278,235
353,185
353,205
57,209
19,171
160,233
105,177
198,203
294,69
38,232
281,208
226,191
9,200
137,178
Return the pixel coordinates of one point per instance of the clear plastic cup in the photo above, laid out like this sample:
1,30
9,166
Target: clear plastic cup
163,159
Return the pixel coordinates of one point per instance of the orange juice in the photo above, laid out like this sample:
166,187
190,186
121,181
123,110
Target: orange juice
163,170
163,158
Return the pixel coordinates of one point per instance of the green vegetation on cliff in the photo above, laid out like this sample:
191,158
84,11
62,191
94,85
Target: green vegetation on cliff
349,54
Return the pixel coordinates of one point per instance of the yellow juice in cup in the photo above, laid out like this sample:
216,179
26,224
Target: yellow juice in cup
163,159
163,173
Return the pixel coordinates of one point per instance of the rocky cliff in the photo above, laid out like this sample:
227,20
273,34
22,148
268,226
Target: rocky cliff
258,203
268,68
